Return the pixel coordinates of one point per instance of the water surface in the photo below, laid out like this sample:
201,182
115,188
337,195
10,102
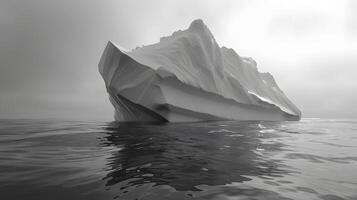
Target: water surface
52,159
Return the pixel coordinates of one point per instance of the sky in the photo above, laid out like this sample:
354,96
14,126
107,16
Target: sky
50,49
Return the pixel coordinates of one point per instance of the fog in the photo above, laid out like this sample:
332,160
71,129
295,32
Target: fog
49,50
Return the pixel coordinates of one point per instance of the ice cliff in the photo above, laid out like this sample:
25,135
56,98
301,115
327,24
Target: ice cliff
188,77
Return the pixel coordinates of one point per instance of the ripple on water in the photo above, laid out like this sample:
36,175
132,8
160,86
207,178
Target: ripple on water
312,159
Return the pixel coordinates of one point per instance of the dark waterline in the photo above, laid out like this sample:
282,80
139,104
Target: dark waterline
310,159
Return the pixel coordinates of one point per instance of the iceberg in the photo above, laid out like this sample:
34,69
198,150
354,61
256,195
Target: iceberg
187,77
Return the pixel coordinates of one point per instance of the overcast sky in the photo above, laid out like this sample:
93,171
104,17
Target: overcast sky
49,50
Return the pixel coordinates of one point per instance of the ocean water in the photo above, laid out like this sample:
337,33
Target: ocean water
52,159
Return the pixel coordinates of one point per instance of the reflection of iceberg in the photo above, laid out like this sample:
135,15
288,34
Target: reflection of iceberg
172,156
188,77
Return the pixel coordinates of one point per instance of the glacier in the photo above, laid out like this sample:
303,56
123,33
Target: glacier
187,77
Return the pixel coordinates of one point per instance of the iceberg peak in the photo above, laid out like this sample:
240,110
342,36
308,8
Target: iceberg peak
197,25
200,28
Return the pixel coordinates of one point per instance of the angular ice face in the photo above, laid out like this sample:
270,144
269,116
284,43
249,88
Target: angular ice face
188,77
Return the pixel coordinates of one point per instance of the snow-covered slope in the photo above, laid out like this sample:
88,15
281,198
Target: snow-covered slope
188,77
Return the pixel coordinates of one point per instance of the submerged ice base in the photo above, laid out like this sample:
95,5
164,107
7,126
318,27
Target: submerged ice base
188,77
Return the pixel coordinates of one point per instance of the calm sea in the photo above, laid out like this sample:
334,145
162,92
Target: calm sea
49,159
